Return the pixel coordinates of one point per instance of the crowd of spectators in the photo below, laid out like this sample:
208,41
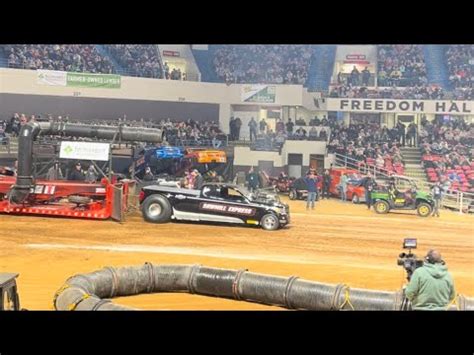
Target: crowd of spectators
460,60
369,145
415,93
263,137
401,65
448,148
192,133
137,59
73,58
277,64
4,138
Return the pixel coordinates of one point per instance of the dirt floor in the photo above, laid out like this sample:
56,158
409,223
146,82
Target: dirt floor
336,243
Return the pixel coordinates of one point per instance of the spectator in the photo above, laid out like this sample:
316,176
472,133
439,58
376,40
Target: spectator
436,191
289,127
355,76
54,173
238,124
263,126
198,179
148,176
311,186
365,76
343,185
411,134
326,184
401,133
76,174
253,129
232,129
340,78
91,174
313,134
252,180
369,185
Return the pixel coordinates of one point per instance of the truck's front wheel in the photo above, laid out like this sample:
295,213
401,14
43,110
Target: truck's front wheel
156,209
270,222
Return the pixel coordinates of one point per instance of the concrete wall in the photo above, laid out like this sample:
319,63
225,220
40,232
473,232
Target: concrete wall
25,82
244,157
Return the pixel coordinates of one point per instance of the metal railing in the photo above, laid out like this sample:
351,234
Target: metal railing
453,199
205,143
5,143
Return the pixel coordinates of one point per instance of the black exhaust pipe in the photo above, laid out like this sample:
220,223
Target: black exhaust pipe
24,179
28,133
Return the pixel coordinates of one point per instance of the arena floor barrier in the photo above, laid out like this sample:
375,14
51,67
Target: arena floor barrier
93,291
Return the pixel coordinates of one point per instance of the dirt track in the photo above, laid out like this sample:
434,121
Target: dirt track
335,243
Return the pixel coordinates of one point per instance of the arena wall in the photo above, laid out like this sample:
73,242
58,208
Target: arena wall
90,108
244,157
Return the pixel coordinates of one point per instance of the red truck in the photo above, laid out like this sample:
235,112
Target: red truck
355,192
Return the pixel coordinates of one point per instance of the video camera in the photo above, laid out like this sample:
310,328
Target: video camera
408,260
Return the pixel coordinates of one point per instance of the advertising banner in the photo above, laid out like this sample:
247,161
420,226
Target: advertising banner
61,78
84,151
258,93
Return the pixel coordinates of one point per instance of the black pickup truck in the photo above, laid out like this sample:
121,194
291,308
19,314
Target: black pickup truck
215,202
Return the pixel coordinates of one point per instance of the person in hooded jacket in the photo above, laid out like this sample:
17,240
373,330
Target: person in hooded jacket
431,286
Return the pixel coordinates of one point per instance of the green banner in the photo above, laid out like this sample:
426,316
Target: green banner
106,81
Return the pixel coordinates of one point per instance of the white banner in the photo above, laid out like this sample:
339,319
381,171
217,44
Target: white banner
401,106
51,77
84,151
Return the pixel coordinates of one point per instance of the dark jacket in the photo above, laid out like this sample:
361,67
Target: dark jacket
327,180
310,184
253,179
437,192
368,184
76,175
148,177
198,182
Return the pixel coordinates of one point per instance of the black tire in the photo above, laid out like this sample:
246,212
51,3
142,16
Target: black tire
293,194
156,209
424,209
381,207
80,200
270,222
355,199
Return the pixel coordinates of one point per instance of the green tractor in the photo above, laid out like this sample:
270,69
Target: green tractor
386,199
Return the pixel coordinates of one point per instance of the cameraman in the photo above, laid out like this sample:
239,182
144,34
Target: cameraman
431,286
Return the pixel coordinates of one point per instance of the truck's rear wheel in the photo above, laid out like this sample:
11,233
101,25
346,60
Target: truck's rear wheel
423,209
156,209
381,206
270,222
